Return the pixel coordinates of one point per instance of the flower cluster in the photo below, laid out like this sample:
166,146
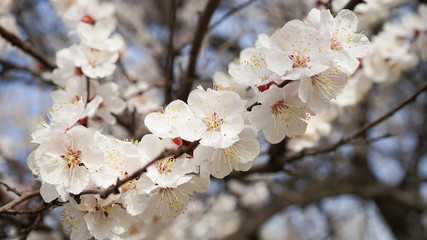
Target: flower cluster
316,56
292,75
401,45
82,65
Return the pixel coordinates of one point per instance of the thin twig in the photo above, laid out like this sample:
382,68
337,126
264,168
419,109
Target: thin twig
352,4
22,198
170,54
350,139
283,84
230,12
8,65
45,206
124,72
114,189
215,24
10,189
202,28
330,147
15,165
26,231
268,168
356,133
87,90
367,126
16,41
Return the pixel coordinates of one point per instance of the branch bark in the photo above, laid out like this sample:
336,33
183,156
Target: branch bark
24,197
351,138
202,28
16,41
114,189
170,53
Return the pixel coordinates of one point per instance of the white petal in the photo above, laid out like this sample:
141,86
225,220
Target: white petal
278,62
78,180
48,192
305,89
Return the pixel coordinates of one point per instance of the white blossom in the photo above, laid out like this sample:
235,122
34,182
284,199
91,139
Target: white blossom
219,114
318,90
68,159
280,114
345,43
239,156
169,123
297,50
101,218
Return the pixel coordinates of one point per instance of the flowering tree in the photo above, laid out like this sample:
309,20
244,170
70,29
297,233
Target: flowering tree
155,132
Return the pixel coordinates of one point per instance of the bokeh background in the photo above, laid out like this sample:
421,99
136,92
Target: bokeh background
372,189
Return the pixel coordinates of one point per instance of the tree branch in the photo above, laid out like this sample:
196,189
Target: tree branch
10,189
8,65
230,12
45,206
170,53
19,200
350,139
352,4
283,84
114,189
202,28
16,41
367,126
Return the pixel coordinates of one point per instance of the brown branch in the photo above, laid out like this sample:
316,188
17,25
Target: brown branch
215,24
16,41
230,12
114,189
330,147
283,84
352,4
26,231
124,72
315,192
19,200
15,165
87,91
10,189
356,133
45,206
367,126
201,30
268,168
125,121
8,65
170,53
350,139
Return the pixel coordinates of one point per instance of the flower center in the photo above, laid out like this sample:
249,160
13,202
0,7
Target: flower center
279,107
72,157
93,61
105,210
88,19
165,165
299,60
213,123
315,79
335,44
78,71
76,99
129,185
